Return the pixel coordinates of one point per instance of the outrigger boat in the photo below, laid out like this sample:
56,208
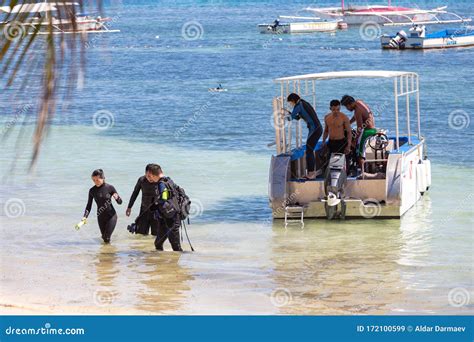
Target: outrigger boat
309,25
393,177
40,14
418,39
388,15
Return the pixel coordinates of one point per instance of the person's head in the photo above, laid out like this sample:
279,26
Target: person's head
153,173
335,106
98,177
293,99
348,102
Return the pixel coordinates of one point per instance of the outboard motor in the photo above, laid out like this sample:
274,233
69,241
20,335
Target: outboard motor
334,182
398,42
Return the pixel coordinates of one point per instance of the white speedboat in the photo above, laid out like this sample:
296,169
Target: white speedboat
387,15
308,25
417,38
41,16
392,179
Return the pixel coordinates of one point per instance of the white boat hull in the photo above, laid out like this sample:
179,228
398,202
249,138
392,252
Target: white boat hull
303,27
430,43
365,198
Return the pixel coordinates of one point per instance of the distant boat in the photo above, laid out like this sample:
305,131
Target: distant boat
387,15
418,39
309,25
218,89
39,15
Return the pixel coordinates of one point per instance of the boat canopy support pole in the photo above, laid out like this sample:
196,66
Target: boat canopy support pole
408,107
395,84
418,105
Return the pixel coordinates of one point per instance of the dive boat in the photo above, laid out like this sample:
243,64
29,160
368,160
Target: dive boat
39,16
418,39
309,25
394,176
387,15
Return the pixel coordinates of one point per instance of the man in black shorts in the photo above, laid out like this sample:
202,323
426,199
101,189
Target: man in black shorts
338,127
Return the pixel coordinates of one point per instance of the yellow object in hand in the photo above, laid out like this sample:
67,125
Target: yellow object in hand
80,224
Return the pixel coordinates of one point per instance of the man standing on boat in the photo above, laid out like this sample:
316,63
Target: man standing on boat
364,118
337,127
303,110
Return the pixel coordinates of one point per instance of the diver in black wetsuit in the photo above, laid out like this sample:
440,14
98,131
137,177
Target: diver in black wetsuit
102,193
147,185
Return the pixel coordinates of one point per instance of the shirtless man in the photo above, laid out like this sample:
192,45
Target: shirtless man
338,127
364,118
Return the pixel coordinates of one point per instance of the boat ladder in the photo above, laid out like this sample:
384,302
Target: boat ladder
294,213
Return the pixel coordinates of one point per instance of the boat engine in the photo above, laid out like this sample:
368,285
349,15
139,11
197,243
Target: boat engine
398,42
334,182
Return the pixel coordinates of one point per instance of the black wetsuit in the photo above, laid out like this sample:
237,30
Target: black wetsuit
106,214
146,219
303,110
169,227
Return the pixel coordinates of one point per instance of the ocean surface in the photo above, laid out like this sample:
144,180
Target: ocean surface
145,99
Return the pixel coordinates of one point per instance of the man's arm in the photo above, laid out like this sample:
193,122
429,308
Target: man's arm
353,119
347,127
135,193
326,129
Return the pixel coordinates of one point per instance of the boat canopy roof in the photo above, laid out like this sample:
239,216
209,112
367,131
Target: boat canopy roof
347,74
35,8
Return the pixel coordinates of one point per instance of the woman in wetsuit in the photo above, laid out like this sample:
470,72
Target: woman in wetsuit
102,193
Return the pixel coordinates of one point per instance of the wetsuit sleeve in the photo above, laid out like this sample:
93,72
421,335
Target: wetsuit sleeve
164,193
295,114
135,193
89,204
112,192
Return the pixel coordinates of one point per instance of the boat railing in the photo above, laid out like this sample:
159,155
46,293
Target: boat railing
435,20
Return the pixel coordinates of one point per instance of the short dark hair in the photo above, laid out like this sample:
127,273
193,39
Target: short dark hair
346,100
154,169
98,173
335,103
293,98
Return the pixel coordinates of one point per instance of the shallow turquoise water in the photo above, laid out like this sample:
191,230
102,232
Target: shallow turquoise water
156,87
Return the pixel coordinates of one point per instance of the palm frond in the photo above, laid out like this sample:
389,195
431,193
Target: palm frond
30,42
